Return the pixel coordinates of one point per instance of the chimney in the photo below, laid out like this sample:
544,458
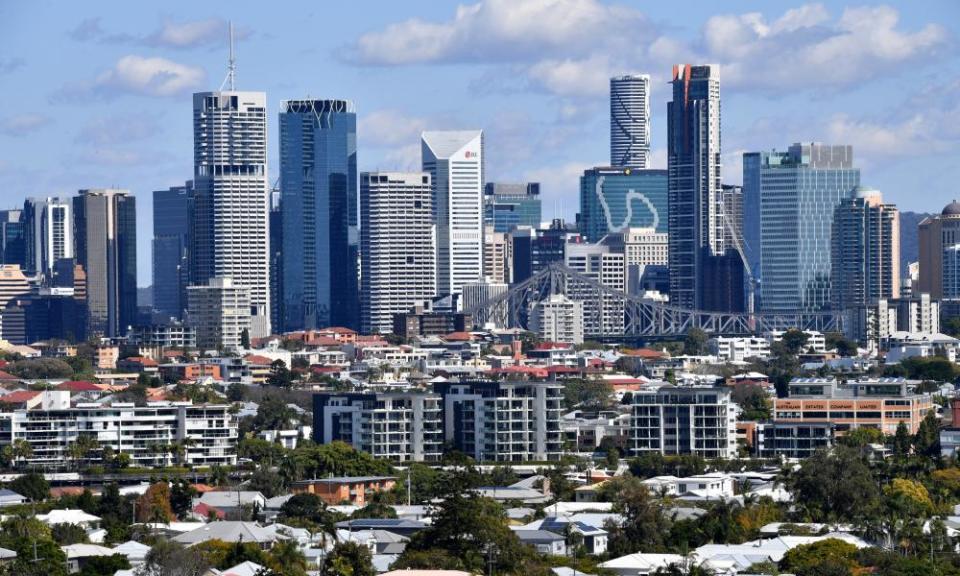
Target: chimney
517,346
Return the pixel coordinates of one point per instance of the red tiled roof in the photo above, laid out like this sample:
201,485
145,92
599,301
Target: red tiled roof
258,360
552,346
19,396
558,369
140,360
205,510
645,353
338,330
78,386
459,336
7,376
324,341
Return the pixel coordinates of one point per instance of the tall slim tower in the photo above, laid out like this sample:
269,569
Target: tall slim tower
106,241
318,183
866,250
693,181
172,214
398,246
454,160
48,233
630,121
230,226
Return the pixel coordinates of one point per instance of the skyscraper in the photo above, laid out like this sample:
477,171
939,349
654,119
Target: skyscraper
939,237
454,160
12,241
276,261
866,250
615,199
603,262
630,121
799,190
397,244
318,186
106,243
497,257
172,214
220,312
229,237
506,206
696,221
48,233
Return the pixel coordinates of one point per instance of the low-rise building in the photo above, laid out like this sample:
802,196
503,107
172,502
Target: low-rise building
354,490
704,486
735,349
683,420
779,439
880,403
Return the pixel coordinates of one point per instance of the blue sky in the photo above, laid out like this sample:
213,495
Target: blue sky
98,93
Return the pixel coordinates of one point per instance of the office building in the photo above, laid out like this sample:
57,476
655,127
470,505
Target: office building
881,403
866,250
105,221
398,246
51,314
229,237
424,319
630,121
799,191
506,206
647,256
731,206
172,214
478,293
672,420
13,247
696,217
318,184
497,258
533,249
208,432
12,284
219,313
276,261
454,160
938,235
558,319
400,426
604,263
614,199
503,421
48,234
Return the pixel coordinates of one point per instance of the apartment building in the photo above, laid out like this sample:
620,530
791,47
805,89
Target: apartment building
503,421
779,439
400,426
207,433
684,420
876,402
732,349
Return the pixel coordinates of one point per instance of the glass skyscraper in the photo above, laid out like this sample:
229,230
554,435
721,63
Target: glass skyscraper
172,211
318,201
798,191
506,206
614,199
12,241
630,121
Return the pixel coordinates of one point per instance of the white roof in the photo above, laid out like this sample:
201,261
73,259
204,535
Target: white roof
86,550
230,499
132,549
247,568
67,517
642,561
229,531
446,143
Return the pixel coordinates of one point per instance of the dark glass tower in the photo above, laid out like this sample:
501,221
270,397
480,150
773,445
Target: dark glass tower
172,211
318,191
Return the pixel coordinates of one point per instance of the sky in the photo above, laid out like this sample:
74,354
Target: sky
98,94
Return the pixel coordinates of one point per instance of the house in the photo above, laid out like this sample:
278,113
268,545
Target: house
10,498
233,532
340,489
78,554
594,539
705,486
543,541
68,516
138,364
135,552
7,556
228,504
524,491
640,564
247,568
395,525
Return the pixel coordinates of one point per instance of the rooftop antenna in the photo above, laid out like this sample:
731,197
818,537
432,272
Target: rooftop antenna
231,65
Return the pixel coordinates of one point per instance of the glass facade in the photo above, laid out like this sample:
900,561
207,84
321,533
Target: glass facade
318,201
614,199
799,193
172,211
506,206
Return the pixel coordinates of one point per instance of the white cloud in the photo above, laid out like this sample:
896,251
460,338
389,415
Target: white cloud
22,124
389,128
502,31
138,75
805,50
571,78
195,33
106,131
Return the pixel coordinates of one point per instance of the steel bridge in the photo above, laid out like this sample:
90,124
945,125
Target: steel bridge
609,313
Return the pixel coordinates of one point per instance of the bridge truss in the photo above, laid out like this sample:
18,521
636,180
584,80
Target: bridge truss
610,313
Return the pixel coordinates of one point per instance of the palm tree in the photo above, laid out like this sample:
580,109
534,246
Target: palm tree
21,450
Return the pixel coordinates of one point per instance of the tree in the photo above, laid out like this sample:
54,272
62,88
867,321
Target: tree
753,400
169,558
588,394
843,346
835,485
695,343
236,392
268,482
66,534
32,486
826,557
901,440
926,442
104,565
274,414
245,339
40,369
349,559
154,504
644,526
280,376
794,340
861,437
286,558
181,498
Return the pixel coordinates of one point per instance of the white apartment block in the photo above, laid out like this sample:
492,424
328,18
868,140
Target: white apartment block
208,433
558,319
231,210
684,420
454,160
401,427
646,247
816,341
398,242
739,349
601,263
219,312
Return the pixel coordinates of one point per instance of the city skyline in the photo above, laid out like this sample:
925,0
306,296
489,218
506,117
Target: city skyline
124,85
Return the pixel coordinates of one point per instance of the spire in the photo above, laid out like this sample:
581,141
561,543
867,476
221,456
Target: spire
231,65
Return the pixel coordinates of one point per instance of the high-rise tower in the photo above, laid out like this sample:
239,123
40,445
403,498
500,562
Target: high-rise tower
866,250
229,238
172,214
318,184
454,160
48,233
630,121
